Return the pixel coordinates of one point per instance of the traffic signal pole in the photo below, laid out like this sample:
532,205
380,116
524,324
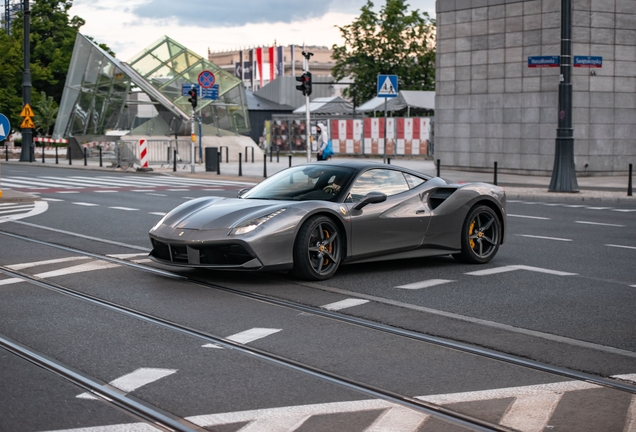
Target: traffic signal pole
27,133
305,87
193,101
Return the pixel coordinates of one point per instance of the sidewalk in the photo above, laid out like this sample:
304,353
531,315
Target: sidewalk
535,188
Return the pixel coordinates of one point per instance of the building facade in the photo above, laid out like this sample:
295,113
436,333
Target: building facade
492,107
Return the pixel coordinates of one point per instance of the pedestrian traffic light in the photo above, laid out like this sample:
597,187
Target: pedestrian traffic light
305,83
193,98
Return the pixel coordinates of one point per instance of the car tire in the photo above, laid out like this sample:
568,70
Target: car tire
317,250
481,236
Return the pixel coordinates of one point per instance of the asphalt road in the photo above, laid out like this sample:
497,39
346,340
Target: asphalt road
561,291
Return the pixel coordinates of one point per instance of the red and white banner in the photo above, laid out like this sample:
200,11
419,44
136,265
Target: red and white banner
259,64
346,136
50,140
374,136
413,135
272,65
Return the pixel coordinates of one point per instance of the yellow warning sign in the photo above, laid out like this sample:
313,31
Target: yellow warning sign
27,123
26,111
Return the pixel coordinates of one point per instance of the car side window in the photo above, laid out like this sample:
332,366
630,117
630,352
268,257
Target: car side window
386,181
413,181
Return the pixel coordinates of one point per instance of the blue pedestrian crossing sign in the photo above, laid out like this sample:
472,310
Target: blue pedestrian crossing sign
387,86
5,127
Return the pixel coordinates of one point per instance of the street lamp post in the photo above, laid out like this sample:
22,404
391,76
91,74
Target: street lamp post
564,172
27,134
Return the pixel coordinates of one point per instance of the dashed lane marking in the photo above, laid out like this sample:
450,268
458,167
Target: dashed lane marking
599,208
247,336
621,246
344,304
518,267
156,194
85,204
424,284
545,238
158,213
599,223
106,191
134,380
94,265
624,210
52,199
528,217
124,208
67,192
47,262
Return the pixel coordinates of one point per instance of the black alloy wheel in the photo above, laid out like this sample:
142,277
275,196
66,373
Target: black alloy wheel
317,251
481,235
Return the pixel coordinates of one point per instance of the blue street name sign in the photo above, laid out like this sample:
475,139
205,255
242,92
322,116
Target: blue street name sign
387,86
5,127
211,93
544,61
588,61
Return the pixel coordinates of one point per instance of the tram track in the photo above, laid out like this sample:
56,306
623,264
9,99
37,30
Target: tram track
370,390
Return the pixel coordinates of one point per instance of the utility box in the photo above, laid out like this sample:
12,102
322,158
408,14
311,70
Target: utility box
211,158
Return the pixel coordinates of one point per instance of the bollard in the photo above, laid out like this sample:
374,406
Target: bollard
265,165
42,153
56,156
240,166
629,181
290,158
218,163
495,179
69,150
388,161
438,168
227,154
100,156
252,154
277,156
6,153
271,153
174,160
85,160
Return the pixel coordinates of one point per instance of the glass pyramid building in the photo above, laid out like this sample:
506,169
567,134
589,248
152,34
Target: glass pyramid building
104,95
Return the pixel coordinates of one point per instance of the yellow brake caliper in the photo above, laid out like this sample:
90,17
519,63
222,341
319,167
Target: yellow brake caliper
470,233
329,248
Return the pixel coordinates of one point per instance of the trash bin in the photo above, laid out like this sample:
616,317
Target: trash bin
211,158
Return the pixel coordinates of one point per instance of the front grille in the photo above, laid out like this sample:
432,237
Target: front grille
225,255
166,252
161,250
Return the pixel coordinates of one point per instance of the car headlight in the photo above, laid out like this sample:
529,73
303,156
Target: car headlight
250,226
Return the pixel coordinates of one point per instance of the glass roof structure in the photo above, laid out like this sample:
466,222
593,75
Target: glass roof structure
144,96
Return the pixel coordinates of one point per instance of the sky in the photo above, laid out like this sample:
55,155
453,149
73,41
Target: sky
129,26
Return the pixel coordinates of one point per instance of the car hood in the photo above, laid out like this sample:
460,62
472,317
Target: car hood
219,213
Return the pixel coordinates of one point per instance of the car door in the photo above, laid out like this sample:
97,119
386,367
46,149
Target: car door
395,225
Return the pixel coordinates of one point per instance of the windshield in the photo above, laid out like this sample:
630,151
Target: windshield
304,183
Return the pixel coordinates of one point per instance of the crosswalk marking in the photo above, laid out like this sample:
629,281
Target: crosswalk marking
344,304
247,336
424,284
94,265
134,380
518,267
23,266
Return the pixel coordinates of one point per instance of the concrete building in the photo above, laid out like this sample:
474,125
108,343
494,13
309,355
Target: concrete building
492,107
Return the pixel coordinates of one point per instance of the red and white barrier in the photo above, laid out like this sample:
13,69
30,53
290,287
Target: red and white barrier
50,140
143,153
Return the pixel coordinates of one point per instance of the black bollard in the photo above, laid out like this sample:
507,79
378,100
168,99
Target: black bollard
69,150
388,161
245,154
271,153
42,153
252,154
6,153
290,158
629,181
100,157
438,168
218,163
56,157
495,179
174,160
277,156
240,164
265,166
85,157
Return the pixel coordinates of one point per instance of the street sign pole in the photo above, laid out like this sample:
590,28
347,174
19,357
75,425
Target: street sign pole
27,134
192,141
564,172
307,113
385,128
387,88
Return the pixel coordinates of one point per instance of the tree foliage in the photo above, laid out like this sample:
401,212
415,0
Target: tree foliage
52,36
392,41
45,110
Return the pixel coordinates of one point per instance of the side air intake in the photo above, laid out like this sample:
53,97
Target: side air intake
439,196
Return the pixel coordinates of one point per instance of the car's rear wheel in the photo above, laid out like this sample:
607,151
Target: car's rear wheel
317,251
481,235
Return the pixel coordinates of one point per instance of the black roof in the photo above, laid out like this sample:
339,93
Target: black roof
257,103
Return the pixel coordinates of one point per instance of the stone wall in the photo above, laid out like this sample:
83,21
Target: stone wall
491,107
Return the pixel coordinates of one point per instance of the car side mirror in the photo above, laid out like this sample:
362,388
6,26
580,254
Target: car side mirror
242,192
371,198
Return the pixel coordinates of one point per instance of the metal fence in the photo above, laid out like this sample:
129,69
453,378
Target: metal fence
160,152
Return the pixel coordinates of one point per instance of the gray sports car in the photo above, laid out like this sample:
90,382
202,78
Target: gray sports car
312,218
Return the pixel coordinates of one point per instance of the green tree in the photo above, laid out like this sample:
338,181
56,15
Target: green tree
10,79
393,41
45,110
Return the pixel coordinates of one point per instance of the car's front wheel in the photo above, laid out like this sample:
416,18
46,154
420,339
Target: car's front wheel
317,251
481,235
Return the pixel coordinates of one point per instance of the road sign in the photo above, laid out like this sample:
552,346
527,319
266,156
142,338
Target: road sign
5,127
27,123
387,86
211,93
544,61
206,79
588,61
26,111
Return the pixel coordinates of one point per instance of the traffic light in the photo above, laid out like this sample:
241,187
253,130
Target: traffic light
193,98
305,83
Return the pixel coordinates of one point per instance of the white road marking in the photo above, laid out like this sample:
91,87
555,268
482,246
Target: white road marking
247,336
344,304
599,223
134,380
94,265
189,198
38,208
178,190
67,192
124,208
624,210
125,256
598,208
424,284
157,213
621,246
528,217
47,262
545,238
626,377
140,190
6,211
52,199
106,191
85,204
157,194
518,267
